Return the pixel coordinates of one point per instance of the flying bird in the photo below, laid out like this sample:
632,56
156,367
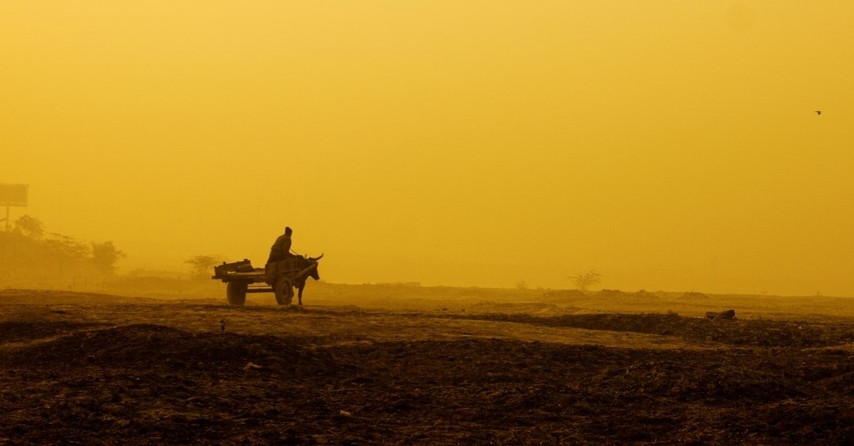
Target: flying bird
818,112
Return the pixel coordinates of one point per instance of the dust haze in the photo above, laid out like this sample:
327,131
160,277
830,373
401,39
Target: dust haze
541,222
669,146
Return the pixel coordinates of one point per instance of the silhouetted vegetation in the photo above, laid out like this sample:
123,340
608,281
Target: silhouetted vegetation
105,256
31,256
201,267
586,280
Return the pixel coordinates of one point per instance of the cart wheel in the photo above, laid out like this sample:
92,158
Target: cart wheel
236,292
284,292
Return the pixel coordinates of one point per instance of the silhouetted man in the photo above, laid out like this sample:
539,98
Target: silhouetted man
281,248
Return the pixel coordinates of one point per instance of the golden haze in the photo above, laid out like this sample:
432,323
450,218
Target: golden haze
668,145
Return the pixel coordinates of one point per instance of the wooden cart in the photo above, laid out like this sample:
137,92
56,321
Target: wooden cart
277,277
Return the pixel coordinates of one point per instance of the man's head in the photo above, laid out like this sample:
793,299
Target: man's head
288,230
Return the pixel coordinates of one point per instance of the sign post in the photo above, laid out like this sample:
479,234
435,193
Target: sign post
13,195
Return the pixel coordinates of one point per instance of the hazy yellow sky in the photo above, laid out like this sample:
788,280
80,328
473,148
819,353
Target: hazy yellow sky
667,144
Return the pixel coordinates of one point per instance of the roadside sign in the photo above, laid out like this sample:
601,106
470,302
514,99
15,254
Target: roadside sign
14,194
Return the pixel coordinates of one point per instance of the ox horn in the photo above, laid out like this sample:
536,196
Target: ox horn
314,259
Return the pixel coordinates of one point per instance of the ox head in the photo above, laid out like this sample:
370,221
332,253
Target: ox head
314,274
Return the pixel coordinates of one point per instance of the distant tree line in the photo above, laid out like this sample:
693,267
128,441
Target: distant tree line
31,256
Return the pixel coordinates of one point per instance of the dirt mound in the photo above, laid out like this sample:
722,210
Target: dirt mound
156,347
20,331
693,295
9,296
559,295
508,308
759,333
607,293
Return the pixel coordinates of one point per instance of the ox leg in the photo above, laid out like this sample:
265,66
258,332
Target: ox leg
300,293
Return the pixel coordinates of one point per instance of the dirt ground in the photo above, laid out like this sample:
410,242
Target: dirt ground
84,368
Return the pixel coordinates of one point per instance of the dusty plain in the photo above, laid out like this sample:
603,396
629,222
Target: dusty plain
404,364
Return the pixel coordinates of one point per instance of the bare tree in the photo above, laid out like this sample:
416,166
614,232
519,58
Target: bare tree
201,265
584,281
